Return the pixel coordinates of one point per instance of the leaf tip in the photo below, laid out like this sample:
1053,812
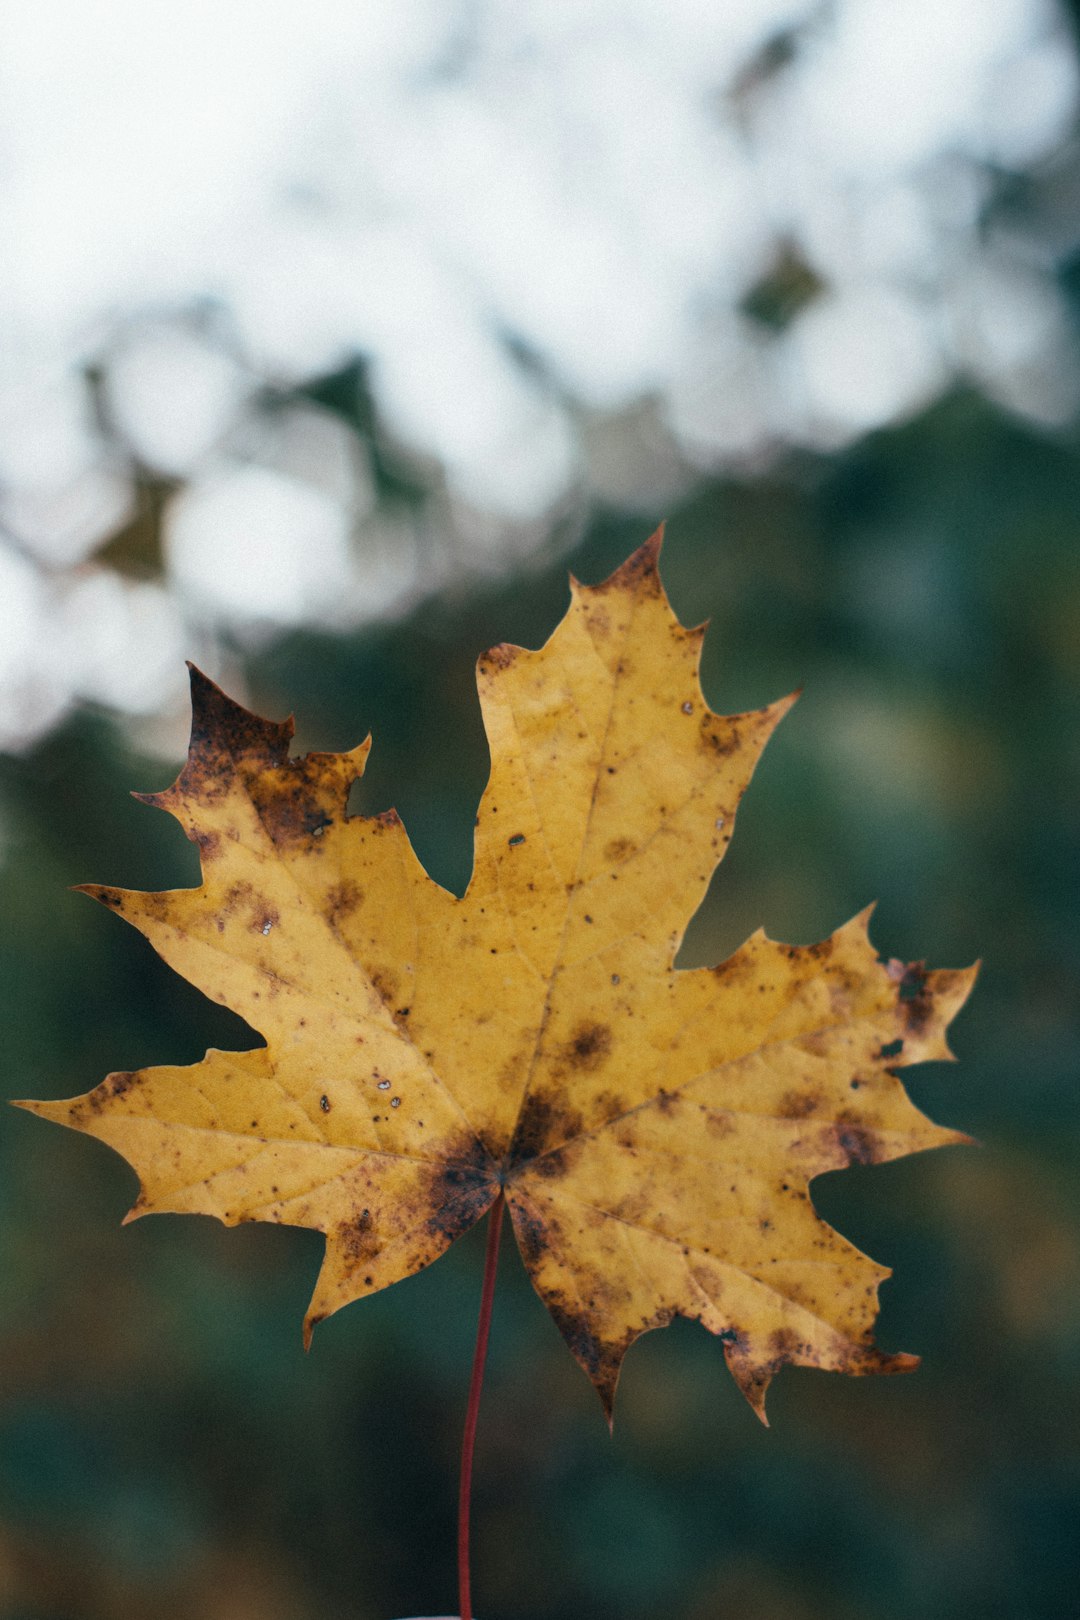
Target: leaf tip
164,800
111,898
59,1111
783,705
752,1378
606,1391
900,1362
218,720
641,568
859,925
496,659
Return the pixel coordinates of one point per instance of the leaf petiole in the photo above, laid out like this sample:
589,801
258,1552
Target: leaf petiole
468,1439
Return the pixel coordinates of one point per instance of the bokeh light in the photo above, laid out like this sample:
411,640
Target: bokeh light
767,223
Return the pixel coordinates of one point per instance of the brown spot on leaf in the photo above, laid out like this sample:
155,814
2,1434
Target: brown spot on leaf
462,1189
298,801
733,968
601,1361
357,1239
237,895
542,1122
719,735
587,1048
114,1085
618,849
858,1145
639,573
341,900
798,1104
915,1001
549,1165
385,984
784,1343
531,1230
225,738
499,657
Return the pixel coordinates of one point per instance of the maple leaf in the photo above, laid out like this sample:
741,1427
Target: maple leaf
655,1130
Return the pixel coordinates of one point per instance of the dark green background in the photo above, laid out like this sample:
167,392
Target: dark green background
166,1449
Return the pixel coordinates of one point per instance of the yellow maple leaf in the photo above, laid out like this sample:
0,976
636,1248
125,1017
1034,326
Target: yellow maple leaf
654,1130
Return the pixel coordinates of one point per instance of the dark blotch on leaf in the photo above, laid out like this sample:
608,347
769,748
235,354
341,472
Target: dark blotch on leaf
797,1104
226,730
499,657
531,1232
916,1001
588,1046
784,1342
549,1165
289,806
357,1238
719,735
601,1361
461,1191
114,1085
385,984
858,1145
341,899
541,1123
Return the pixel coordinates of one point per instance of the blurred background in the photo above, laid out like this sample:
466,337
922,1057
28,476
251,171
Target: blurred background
330,337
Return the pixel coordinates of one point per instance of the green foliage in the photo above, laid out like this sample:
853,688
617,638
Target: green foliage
165,1448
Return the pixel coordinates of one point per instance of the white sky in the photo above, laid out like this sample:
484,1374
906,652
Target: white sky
419,181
